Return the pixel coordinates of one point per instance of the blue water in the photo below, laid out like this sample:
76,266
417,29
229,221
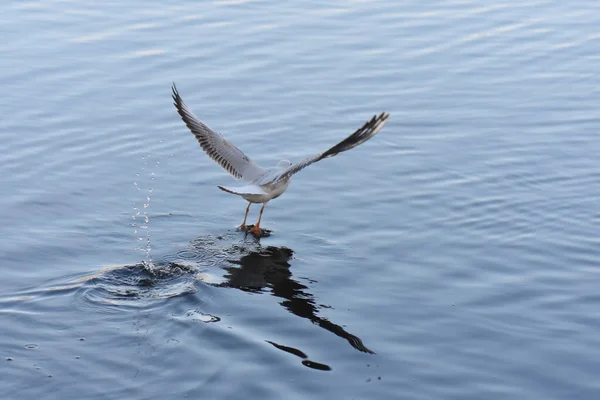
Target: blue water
454,256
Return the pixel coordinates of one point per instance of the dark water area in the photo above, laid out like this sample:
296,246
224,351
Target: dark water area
455,255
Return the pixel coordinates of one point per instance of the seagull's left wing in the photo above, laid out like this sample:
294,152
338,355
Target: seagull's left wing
366,132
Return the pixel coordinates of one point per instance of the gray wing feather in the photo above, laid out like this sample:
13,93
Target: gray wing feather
232,159
364,133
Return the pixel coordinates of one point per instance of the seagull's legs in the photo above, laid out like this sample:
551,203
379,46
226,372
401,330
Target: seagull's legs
243,225
256,228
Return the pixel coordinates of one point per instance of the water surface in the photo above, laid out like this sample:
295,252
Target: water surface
453,256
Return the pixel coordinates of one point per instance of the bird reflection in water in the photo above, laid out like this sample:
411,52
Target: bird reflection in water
249,267
269,267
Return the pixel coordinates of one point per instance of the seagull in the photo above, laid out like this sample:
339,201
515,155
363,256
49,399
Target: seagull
263,184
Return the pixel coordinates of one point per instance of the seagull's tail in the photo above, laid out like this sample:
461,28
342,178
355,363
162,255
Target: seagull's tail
244,190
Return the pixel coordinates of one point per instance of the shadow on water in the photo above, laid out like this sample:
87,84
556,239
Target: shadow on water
269,267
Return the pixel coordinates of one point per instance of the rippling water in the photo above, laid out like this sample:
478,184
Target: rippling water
454,256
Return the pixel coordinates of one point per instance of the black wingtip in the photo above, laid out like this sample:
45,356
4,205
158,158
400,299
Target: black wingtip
361,135
176,98
175,93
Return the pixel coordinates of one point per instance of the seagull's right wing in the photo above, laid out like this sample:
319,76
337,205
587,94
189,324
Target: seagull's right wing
232,159
364,133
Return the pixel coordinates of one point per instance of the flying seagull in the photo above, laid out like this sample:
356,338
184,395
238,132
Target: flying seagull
263,184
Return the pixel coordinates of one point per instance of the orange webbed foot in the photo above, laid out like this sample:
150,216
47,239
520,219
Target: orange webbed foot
256,231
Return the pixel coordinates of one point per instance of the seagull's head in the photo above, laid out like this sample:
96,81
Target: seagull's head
284,164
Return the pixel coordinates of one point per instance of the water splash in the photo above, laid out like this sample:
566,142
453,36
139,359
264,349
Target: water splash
141,217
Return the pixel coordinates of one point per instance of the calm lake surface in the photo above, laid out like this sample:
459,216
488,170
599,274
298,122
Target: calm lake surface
454,256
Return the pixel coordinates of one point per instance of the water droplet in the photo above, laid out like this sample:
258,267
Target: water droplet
81,339
9,359
31,346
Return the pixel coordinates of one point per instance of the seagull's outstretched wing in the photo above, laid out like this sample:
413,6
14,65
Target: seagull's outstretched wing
366,132
216,146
